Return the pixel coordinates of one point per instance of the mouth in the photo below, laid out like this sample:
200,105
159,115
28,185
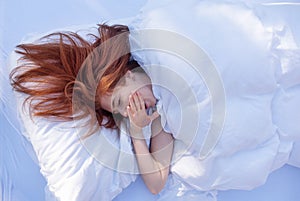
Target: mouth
146,105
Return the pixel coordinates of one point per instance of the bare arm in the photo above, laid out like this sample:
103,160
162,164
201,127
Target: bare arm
154,163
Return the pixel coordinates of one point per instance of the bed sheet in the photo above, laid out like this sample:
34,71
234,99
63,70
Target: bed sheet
20,178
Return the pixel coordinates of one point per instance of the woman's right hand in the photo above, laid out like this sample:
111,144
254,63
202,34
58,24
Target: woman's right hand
137,113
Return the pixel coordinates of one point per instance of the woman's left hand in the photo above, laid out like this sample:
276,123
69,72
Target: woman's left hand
137,112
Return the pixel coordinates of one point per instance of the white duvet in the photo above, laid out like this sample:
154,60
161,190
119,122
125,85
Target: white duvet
246,128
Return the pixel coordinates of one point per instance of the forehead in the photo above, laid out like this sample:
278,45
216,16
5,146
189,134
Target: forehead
106,101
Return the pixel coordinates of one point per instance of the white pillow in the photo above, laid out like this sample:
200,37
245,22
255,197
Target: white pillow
71,167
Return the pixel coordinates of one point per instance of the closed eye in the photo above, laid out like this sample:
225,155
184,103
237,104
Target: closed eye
117,103
114,109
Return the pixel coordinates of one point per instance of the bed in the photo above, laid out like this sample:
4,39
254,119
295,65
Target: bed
20,175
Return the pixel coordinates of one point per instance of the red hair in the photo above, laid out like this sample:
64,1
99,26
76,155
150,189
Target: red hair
63,65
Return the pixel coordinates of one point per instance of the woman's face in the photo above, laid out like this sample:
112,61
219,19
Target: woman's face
118,100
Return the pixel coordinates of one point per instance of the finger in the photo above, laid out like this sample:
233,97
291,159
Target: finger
137,101
131,103
142,103
129,111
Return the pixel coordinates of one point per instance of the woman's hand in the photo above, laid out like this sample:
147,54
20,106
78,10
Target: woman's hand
137,112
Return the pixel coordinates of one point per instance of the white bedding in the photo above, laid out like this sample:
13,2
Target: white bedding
258,65
20,177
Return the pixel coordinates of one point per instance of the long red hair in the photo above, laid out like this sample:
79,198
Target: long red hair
62,65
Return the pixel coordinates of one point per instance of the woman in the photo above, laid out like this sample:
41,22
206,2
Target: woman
49,76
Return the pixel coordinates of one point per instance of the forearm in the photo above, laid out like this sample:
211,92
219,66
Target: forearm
153,171
150,169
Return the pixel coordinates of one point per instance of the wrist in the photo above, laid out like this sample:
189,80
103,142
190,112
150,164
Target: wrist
136,132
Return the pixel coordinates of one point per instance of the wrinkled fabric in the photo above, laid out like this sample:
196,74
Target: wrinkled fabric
257,60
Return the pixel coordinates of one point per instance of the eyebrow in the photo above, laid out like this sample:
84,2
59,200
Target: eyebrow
120,102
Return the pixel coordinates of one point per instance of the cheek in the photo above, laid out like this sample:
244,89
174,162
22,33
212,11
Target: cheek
146,93
142,91
125,104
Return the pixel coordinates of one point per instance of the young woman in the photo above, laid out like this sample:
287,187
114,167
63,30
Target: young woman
49,76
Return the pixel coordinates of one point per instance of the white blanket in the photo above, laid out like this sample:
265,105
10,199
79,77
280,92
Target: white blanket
244,130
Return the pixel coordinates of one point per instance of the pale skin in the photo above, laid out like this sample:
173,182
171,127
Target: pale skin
153,162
